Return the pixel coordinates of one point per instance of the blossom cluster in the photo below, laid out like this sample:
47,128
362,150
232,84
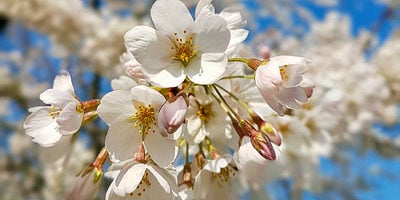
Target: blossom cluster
189,120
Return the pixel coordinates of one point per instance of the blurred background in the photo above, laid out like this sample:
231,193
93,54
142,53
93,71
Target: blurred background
344,144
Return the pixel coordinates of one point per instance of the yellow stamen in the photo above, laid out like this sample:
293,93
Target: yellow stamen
284,73
184,49
144,118
54,112
205,112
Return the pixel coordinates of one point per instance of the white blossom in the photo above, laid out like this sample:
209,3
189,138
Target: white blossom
135,180
179,45
47,124
279,82
132,118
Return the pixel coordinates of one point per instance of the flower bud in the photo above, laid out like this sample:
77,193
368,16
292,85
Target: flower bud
172,115
132,67
268,130
263,146
264,51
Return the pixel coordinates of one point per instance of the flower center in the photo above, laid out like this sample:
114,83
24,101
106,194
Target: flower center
284,74
205,112
54,112
144,118
184,48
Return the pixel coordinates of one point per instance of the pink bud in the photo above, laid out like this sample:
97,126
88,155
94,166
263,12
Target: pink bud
132,67
135,71
264,51
172,115
269,131
263,146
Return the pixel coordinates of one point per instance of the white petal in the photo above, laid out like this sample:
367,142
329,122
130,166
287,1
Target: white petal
123,83
237,37
155,190
161,179
56,97
114,105
69,119
63,82
193,123
203,184
151,49
212,34
162,150
36,108
128,179
110,195
204,7
41,117
300,94
296,66
267,78
171,76
208,70
233,18
122,140
143,95
171,16
48,135
274,104
287,97
42,127
289,60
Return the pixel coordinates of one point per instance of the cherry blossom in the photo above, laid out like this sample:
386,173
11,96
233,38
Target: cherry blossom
132,118
279,82
47,124
180,46
134,180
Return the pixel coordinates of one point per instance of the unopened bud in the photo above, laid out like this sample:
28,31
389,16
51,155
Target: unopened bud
263,146
271,133
256,118
172,115
264,51
132,67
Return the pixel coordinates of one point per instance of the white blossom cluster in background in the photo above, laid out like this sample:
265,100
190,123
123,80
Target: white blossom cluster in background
195,112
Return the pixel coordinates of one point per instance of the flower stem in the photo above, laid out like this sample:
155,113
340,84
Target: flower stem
187,153
101,158
241,76
243,60
244,105
223,104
